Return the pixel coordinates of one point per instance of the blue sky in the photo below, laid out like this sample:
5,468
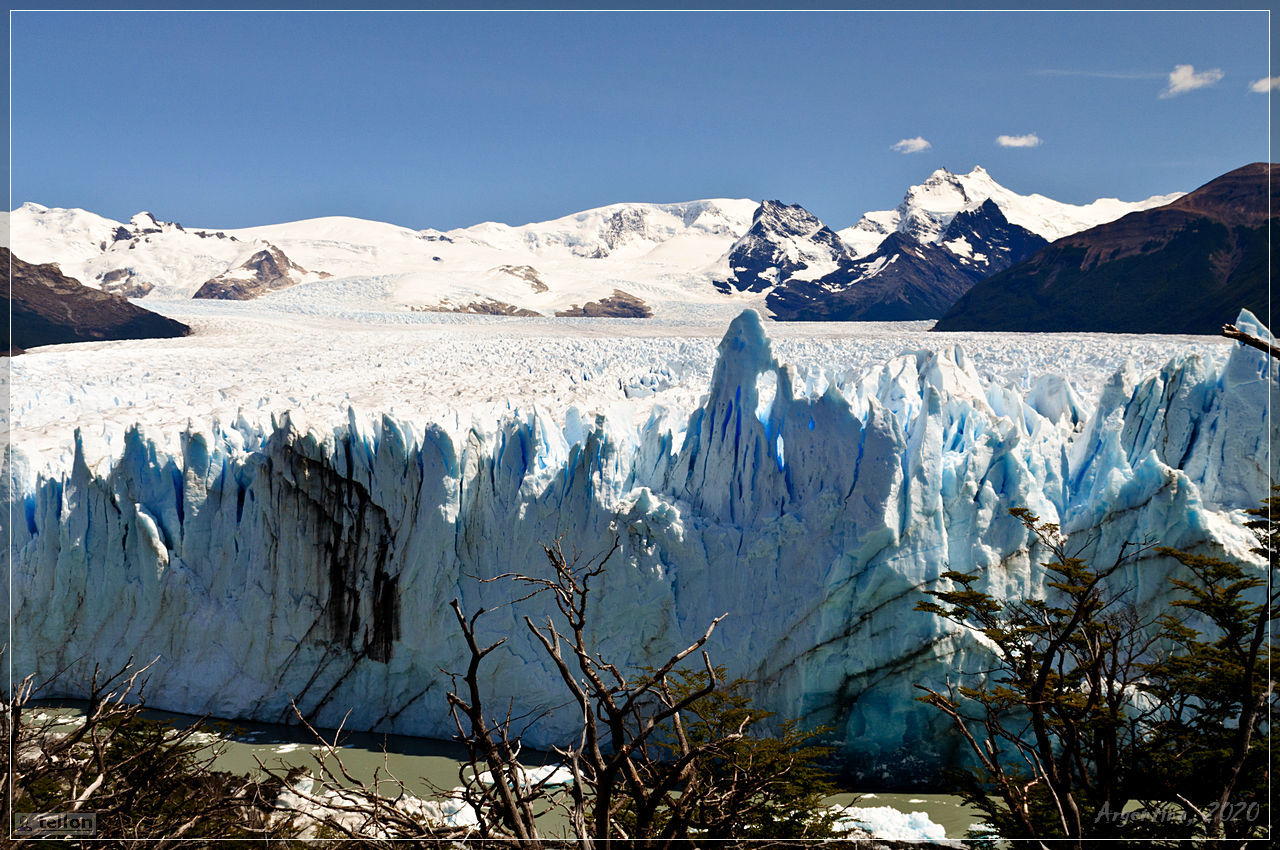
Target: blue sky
448,119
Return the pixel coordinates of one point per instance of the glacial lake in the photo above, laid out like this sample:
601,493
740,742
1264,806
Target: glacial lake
426,764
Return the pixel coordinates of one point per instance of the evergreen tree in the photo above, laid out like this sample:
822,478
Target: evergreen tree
1098,719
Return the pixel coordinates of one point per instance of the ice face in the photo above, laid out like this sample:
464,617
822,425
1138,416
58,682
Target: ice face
264,563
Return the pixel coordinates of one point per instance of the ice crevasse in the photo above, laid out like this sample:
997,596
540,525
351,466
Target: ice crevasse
268,564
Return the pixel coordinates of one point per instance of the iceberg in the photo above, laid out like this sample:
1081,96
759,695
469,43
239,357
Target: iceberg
889,824
264,565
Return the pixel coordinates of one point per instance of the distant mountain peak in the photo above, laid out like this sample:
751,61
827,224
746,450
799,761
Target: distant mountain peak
976,175
266,270
1184,267
630,228
785,242
791,219
928,207
907,278
947,230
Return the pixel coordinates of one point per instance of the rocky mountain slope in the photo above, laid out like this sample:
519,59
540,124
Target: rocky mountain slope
267,270
913,262
907,277
1186,267
50,308
785,243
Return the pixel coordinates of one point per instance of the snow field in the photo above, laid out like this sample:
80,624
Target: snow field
253,361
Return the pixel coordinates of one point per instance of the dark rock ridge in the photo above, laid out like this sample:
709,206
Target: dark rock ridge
993,242
125,282
902,280
782,241
265,271
143,225
50,308
486,307
619,305
1187,267
525,273
621,227
905,279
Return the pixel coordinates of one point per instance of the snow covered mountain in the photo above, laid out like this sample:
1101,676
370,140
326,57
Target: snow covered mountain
265,559
649,252
634,259
144,257
984,240
785,243
929,207
910,263
906,278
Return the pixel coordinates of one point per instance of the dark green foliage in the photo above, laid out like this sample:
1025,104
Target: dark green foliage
1056,698
663,754
155,783
1207,746
748,781
142,779
1093,708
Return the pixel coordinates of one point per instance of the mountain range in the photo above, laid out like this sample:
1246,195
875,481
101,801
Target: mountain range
907,277
636,260
1189,266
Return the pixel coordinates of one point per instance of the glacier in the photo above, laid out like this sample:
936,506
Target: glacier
264,563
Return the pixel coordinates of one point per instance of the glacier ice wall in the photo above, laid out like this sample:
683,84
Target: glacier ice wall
265,565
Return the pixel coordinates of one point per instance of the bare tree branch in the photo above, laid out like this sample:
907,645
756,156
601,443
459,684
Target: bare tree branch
1232,332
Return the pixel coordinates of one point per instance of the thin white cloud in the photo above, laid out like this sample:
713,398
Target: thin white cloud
919,143
1028,140
1183,78
1265,85
1105,75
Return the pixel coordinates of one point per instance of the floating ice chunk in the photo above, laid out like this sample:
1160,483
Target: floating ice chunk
890,824
449,813
549,775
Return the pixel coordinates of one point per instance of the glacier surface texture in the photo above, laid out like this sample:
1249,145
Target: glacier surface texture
264,564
